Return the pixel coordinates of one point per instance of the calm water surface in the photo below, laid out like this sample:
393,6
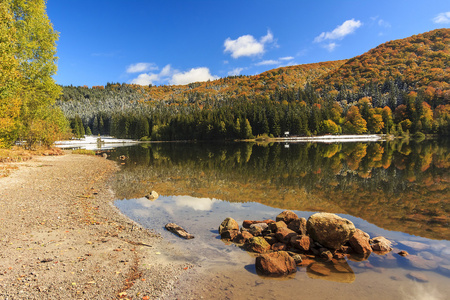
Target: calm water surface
398,190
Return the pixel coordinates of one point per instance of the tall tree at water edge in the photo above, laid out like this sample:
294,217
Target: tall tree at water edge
33,42
9,76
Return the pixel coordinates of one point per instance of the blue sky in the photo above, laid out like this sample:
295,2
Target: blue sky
177,42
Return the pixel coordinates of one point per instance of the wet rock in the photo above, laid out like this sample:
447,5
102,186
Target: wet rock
418,277
298,225
178,230
284,235
339,272
277,225
257,228
360,242
275,264
279,247
325,254
152,196
403,253
229,235
301,242
330,230
381,244
286,216
242,237
257,244
228,224
298,259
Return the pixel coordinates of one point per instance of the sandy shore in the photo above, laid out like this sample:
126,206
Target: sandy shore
61,237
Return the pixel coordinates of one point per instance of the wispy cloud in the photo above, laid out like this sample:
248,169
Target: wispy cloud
141,67
340,31
267,62
330,46
384,23
287,58
442,18
247,45
235,72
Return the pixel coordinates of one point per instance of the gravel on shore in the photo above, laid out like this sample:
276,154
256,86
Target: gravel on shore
62,238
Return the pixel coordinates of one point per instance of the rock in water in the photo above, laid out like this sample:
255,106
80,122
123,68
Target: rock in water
152,196
178,230
286,216
330,230
228,224
360,242
275,264
257,244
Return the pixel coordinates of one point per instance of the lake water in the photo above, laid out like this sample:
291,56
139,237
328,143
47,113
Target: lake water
399,190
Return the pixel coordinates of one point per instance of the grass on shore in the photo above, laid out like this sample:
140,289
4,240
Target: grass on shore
83,151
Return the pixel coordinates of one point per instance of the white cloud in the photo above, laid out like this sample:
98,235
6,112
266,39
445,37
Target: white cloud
442,18
235,72
193,75
247,45
383,23
339,32
203,204
330,46
141,67
145,79
267,62
287,58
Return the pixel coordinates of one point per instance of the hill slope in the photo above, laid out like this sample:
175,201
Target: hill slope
419,63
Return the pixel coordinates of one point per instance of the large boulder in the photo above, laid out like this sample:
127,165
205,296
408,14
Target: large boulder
360,242
286,216
330,230
242,237
257,244
277,225
228,224
275,264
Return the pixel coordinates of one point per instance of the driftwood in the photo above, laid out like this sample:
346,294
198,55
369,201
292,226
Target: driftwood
178,230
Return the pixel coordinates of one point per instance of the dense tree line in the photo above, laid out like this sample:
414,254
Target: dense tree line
301,112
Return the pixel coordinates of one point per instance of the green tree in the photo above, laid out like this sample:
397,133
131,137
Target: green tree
35,51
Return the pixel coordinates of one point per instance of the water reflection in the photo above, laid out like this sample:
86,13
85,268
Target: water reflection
395,185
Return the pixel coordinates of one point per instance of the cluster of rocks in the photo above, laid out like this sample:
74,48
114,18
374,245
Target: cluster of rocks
321,243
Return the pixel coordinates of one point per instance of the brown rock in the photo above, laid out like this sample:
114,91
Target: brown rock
325,254
228,224
284,235
279,247
257,244
242,237
360,242
229,235
271,239
247,223
403,253
257,228
330,230
286,216
381,244
275,264
277,225
418,277
298,225
178,230
301,242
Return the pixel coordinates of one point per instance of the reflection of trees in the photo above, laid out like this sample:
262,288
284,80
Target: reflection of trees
395,185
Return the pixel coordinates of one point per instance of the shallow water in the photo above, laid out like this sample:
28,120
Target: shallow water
200,185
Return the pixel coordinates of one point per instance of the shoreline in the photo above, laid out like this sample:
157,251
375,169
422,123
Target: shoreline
62,236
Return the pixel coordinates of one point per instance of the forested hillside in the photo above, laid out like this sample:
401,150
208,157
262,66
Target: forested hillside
400,87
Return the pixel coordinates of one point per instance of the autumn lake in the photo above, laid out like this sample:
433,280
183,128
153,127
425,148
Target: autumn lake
398,189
